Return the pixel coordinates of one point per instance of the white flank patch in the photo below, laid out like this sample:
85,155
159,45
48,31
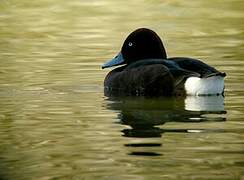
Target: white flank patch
204,86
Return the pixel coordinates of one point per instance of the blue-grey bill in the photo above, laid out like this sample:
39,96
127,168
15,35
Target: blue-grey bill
117,60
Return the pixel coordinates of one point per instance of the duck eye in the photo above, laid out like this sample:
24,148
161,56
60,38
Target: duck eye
130,44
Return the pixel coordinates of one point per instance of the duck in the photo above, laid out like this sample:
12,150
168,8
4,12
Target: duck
145,70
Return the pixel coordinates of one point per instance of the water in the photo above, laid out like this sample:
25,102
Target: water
56,123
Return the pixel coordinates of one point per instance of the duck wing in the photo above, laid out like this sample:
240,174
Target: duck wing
180,74
196,66
142,80
172,66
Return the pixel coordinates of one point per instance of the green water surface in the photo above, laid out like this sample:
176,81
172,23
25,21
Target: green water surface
56,123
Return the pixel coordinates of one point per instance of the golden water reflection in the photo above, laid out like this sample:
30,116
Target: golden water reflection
56,123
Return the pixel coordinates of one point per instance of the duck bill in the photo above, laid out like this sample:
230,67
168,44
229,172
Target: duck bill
117,60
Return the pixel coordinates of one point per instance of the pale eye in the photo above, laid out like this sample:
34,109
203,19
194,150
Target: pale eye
130,44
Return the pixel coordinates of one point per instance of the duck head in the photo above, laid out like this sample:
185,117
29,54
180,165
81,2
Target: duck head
141,44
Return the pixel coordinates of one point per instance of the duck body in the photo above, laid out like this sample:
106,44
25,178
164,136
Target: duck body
148,72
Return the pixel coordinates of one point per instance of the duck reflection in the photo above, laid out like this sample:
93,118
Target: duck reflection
204,103
144,115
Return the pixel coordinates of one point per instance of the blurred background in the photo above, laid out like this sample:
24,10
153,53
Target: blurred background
56,123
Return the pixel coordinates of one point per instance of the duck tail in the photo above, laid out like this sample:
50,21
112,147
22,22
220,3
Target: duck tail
222,74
